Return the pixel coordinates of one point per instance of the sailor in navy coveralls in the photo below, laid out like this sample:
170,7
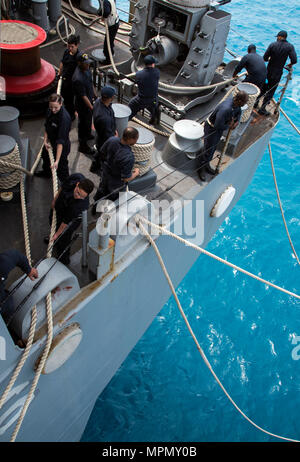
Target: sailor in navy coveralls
84,95
226,115
57,129
67,68
70,201
108,11
276,55
255,67
104,123
118,165
147,82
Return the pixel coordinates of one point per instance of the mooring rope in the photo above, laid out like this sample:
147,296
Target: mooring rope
289,120
280,205
49,317
32,328
33,311
200,249
153,244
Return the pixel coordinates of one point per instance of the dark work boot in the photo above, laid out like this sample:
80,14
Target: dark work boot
263,111
210,170
201,174
95,167
85,149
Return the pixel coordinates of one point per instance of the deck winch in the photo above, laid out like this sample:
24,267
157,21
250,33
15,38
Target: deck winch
26,74
188,38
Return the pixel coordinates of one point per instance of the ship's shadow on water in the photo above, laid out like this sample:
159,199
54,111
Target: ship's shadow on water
249,332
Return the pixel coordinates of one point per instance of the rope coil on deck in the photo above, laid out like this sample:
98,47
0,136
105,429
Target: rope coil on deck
142,156
251,100
9,175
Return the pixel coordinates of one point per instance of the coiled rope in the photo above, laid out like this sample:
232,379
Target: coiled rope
142,156
144,231
124,29
91,27
61,38
10,167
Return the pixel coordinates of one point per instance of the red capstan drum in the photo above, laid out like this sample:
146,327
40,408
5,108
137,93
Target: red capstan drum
21,66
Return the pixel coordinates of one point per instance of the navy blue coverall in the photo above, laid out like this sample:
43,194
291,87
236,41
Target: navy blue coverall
68,209
58,127
147,97
83,86
105,126
276,55
69,65
255,67
217,122
117,166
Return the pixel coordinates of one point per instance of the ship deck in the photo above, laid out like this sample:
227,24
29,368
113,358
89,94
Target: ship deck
181,184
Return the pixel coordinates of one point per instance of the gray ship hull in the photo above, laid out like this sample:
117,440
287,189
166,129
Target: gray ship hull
113,314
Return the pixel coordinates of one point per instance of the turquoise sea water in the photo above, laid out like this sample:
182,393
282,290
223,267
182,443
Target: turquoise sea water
164,391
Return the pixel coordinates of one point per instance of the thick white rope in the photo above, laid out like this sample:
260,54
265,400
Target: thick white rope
124,28
199,88
61,38
37,160
13,166
94,28
289,120
109,48
200,249
33,311
280,205
144,231
149,127
49,318
74,10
